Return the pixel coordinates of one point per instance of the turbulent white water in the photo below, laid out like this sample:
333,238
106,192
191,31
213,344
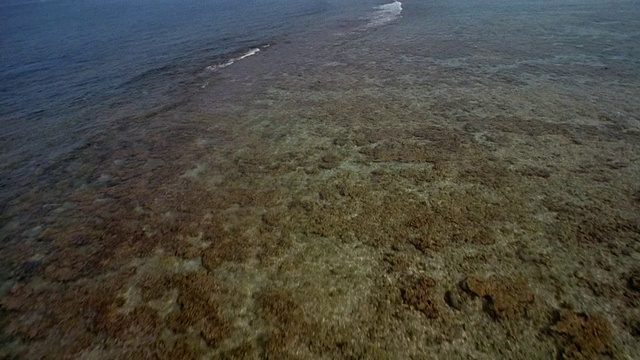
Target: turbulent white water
385,14
233,60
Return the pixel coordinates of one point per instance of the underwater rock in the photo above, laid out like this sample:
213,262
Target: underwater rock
453,300
634,282
329,161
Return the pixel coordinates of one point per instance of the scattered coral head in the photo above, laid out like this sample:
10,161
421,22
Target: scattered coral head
581,335
505,298
420,295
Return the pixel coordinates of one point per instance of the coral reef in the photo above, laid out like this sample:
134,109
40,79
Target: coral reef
582,335
505,298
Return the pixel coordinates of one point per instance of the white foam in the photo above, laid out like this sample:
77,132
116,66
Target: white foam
233,60
385,14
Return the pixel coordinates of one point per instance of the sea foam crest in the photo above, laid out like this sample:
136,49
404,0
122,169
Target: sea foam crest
385,14
233,60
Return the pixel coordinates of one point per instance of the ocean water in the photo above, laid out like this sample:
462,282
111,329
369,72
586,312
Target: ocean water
68,68
319,179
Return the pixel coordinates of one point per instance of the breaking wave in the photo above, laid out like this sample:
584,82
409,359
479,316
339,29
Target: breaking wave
385,14
246,54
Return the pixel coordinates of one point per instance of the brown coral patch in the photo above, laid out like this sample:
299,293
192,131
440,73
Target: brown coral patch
183,348
80,316
291,333
597,229
234,249
420,295
199,309
427,144
449,217
246,350
154,286
505,298
581,335
116,324
283,315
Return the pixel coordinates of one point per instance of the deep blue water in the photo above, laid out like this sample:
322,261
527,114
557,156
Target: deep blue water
57,55
69,67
